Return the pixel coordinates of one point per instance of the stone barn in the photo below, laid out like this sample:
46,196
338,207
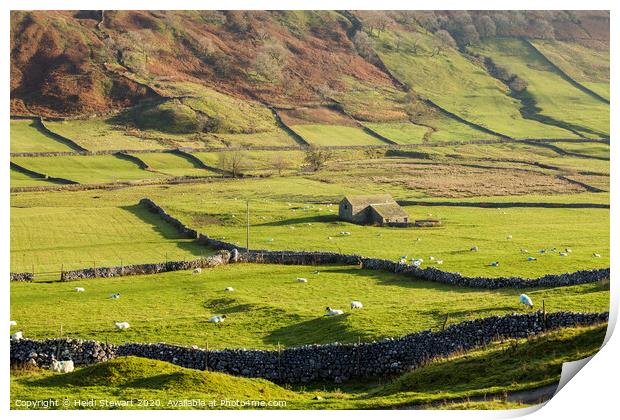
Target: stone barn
372,210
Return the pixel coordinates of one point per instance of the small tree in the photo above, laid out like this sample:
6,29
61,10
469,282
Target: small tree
234,162
363,45
445,41
316,157
280,163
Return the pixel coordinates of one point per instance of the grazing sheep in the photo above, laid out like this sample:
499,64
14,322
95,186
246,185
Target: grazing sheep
333,312
542,251
302,280
568,250
474,248
229,289
417,262
122,325
563,254
317,272
431,258
345,233
80,289
439,261
596,255
494,264
524,251
115,296
13,323
525,299
509,237
17,336
197,270
62,366
217,319
418,239
356,304
402,261
531,258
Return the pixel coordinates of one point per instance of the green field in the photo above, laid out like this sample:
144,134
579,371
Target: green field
19,179
460,86
26,136
448,383
172,164
588,66
174,307
401,133
46,239
335,135
286,214
86,169
95,134
557,98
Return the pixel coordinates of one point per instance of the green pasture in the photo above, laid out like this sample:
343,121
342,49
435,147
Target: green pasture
588,66
99,134
458,85
87,169
557,98
46,239
26,136
172,164
268,306
20,179
335,135
295,213
401,133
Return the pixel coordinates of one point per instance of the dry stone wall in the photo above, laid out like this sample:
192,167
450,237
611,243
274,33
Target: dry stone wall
329,362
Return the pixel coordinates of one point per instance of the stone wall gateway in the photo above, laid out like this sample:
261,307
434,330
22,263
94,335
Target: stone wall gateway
330,362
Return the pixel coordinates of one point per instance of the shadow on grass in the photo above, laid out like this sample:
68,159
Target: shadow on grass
322,330
166,231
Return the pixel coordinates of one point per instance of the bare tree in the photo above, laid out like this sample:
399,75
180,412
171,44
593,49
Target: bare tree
317,157
270,60
445,41
234,162
280,163
364,47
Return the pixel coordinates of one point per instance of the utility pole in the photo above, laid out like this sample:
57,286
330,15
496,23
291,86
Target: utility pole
247,226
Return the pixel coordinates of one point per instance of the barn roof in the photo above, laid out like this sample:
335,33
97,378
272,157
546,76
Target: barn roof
389,210
367,200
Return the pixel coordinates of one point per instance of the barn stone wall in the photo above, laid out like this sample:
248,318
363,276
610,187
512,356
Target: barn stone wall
329,362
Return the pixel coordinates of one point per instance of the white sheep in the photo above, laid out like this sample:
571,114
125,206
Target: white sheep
596,255
431,258
417,262
525,299
122,325
62,366
80,289
17,336
333,312
494,263
531,258
13,323
474,248
217,319
197,270
229,289
563,254
345,233
524,251
302,280
115,296
356,304
509,237
439,262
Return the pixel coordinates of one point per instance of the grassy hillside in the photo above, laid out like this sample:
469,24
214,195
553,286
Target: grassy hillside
458,85
552,94
26,136
98,134
174,307
86,169
172,164
19,179
587,65
46,238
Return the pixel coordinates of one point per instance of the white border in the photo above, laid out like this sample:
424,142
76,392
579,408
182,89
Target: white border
591,395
